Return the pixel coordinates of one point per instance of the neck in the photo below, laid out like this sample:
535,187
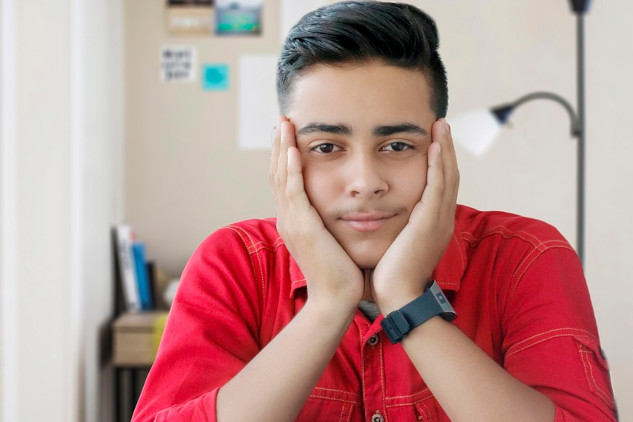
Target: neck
368,291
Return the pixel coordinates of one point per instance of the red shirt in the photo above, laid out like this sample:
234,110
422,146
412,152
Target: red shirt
515,283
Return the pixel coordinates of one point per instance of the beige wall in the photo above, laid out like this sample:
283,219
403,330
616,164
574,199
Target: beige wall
186,177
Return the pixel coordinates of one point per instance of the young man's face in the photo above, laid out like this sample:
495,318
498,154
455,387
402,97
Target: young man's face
363,131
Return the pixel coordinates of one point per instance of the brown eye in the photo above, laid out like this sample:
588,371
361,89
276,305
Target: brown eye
397,147
324,148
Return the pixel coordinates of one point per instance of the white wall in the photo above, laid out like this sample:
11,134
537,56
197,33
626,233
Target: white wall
60,193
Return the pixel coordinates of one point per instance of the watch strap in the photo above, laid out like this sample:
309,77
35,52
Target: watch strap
431,303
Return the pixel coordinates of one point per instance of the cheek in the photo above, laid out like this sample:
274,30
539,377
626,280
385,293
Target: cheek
319,186
411,184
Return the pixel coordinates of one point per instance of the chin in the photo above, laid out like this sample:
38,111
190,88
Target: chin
366,258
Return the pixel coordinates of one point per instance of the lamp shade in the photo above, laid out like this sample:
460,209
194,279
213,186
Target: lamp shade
475,130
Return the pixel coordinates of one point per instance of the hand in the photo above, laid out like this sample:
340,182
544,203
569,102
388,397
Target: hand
333,279
407,265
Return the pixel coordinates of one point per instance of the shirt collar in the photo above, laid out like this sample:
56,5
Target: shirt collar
448,273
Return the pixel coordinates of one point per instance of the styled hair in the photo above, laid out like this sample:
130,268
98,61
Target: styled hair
360,31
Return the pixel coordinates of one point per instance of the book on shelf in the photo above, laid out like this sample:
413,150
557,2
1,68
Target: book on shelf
125,267
142,277
151,278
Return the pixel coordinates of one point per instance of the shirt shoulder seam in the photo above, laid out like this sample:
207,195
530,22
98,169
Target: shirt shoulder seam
546,336
256,265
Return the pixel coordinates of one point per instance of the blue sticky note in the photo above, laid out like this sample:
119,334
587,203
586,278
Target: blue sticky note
215,77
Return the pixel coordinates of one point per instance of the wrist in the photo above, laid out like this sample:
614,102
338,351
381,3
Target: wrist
396,298
431,303
330,311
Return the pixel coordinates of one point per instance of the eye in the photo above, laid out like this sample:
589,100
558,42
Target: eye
325,148
396,147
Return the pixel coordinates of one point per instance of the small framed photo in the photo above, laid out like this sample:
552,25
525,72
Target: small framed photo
238,17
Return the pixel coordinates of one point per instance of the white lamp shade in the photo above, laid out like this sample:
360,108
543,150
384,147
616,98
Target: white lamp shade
475,131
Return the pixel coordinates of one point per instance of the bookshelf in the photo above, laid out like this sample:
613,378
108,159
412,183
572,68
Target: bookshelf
136,336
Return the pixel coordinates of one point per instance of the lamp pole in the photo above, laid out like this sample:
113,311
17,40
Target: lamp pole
580,8
476,121
502,112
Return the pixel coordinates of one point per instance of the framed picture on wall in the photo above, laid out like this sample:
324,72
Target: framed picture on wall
189,17
238,17
177,3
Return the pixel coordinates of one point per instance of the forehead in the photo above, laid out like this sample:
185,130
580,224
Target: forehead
360,94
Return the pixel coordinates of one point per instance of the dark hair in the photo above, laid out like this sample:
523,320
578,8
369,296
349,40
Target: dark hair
358,31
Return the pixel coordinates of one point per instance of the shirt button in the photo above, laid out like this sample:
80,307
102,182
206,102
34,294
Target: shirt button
373,340
377,417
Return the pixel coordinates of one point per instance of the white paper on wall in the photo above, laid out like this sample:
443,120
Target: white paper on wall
257,101
178,63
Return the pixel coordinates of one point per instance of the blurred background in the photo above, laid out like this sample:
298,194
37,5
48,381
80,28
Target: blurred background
158,116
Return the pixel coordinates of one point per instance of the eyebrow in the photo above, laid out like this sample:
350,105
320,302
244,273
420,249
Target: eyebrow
341,129
338,129
401,128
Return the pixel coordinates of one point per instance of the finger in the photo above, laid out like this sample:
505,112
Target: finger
286,140
432,197
274,154
294,177
442,135
294,185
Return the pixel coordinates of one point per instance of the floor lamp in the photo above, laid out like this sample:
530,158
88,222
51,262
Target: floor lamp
477,130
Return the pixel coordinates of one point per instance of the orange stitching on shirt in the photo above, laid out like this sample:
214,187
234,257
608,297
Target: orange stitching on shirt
538,253
518,347
382,381
420,400
349,413
461,253
539,246
238,230
362,360
233,228
315,396
269,247
340,417
588,367
411,403
425,410
259,262
349,393
504,232
426,390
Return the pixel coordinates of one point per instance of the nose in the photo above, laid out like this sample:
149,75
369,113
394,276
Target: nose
366,178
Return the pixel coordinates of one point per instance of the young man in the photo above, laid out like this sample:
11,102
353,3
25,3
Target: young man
328,313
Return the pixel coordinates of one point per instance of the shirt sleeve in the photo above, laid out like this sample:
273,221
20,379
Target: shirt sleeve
211,333
551,339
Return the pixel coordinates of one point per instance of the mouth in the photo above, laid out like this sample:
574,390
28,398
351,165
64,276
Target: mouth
367,221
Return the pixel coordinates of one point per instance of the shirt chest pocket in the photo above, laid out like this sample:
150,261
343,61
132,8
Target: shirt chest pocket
425,410
328,406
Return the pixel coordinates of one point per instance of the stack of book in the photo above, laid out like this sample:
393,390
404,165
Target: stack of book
136,278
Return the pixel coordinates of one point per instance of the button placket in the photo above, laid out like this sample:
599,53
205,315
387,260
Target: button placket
373,340
377,417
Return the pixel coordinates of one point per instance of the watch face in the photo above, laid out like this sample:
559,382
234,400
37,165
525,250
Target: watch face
445,305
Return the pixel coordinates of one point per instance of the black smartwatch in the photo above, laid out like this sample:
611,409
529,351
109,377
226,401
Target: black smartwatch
432,302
